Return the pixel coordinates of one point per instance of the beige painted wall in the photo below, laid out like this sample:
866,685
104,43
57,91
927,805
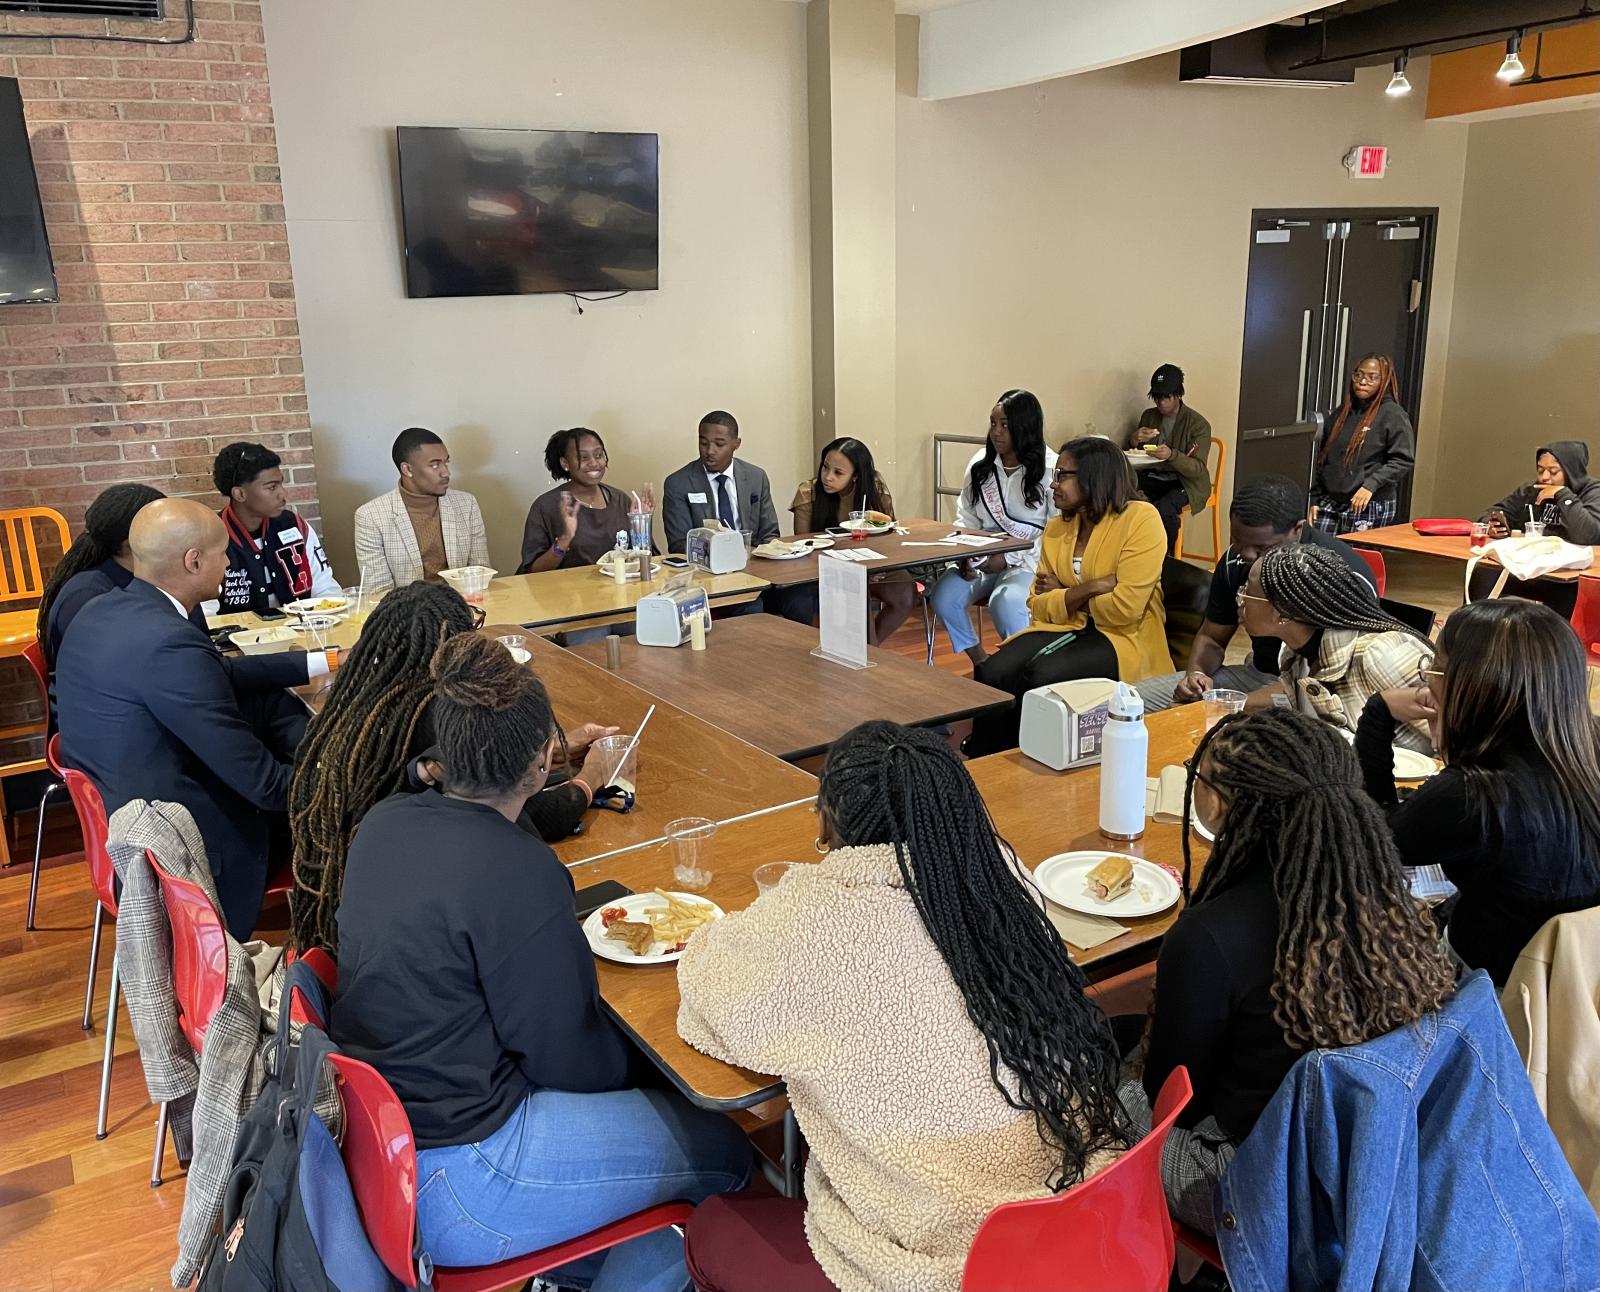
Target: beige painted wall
1070,236
1525,339
721,81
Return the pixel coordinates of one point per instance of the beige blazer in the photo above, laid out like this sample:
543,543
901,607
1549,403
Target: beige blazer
387,554
1549,1004
831,981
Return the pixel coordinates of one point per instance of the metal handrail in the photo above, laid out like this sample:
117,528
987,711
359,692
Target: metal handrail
940,489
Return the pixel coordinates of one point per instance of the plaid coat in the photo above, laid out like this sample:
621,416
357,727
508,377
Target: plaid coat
386,543
208,1093
1350,666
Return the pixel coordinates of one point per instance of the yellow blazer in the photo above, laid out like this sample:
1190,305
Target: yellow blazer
1132,545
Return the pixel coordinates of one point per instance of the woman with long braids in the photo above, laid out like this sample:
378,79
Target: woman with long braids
1096,603
98,561
939,1051
1513,820
1340,647
1366,453
1301,934
1005,492
375,737
465,981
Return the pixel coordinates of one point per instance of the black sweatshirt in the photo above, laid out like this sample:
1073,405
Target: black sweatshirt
463,976
1385,458
1213,1012
1517,863
1573,512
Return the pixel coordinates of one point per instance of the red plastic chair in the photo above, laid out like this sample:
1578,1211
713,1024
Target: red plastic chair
1380,571
380,1157
1111,1231
1586,615
33,654
95,828
199,970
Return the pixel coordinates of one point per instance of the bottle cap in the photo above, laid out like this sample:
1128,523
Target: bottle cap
1126,703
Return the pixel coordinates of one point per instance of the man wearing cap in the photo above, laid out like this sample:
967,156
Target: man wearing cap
1180,440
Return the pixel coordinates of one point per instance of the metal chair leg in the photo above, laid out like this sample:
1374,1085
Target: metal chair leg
38,851
927,627
94,962
111,1041
161,1148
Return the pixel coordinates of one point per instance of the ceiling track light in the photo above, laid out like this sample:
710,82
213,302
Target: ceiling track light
1512,69
1398,85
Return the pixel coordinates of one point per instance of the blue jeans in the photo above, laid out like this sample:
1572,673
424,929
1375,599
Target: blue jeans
564,1164
1008,603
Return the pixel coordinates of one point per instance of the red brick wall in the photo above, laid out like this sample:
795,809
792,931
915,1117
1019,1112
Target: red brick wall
176,331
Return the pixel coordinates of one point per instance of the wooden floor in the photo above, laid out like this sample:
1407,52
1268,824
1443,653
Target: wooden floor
76,1214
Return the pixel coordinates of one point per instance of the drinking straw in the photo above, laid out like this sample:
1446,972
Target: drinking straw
623,761
637,505
1531,520
361,593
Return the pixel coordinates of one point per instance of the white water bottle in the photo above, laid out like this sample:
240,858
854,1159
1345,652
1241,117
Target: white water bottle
1124,764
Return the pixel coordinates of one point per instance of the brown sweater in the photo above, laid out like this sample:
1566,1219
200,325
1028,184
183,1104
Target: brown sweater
423,510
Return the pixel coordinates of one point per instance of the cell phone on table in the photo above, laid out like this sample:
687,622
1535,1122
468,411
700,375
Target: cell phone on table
676,562
270,614
586,901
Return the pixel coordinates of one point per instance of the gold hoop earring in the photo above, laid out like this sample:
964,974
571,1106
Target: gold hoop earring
820,846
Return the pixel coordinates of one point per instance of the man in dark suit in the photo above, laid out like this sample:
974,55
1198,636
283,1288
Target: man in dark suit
151,710
717,486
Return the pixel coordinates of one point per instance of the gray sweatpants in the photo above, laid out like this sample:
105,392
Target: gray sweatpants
1246,677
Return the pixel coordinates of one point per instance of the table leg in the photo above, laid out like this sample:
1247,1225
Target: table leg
791,1155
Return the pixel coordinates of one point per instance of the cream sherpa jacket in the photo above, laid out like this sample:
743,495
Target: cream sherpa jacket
831,981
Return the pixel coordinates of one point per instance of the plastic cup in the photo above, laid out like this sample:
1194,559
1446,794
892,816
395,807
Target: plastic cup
640,526
1480,535
749,536
604,764
770,875
858,526
517,644
360,606
1222,704
691,841
1534,529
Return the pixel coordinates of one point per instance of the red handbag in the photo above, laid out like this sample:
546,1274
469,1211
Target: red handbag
1440,526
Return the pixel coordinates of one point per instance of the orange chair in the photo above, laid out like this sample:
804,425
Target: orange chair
1213,505
199,970
1111,1231
1586,616
22,579
33,653
380,1157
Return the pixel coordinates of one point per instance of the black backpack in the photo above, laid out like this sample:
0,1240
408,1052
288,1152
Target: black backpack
289,1218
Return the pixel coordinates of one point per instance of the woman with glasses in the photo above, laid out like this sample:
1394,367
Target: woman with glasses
1299,935
1339,646
1096,603
1513,820
577,522
1366,453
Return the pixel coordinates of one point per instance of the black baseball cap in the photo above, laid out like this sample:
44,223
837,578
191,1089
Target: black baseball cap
1166,380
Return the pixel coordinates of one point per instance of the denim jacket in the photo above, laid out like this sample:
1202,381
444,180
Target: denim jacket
1419,1160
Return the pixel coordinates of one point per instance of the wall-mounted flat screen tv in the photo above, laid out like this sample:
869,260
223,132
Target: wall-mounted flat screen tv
504,212
27,273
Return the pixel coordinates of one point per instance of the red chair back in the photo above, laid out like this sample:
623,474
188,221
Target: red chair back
199,952
1111,1231
1586,615
380,1157
1380,571
92,823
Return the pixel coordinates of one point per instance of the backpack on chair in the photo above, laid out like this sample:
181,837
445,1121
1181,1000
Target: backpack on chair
289,1218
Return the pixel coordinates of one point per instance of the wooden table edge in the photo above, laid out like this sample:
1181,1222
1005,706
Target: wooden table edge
710,1102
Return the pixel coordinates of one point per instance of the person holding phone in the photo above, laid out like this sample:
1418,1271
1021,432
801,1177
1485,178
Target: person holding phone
1566,501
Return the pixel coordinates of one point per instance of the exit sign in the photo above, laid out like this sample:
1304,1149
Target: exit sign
1367,161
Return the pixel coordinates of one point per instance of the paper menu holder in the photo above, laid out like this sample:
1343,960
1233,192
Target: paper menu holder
842,612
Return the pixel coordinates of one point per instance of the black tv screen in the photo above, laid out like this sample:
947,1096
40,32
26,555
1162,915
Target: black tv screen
27,273
504,212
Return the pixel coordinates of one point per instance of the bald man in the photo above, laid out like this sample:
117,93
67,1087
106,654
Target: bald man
150,710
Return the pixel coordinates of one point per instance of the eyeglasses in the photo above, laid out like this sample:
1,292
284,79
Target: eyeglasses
1242,595
1193,769
1366,378
1433,672
1063,474
479,615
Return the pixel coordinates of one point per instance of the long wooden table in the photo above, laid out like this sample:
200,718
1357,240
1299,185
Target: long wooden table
758,678
896,555
1449,547
1038,811
555,601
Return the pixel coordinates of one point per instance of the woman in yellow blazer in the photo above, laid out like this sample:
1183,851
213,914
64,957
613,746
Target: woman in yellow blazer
1096,601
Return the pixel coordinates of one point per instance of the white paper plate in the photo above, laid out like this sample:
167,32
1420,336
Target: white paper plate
776,556
1409,765
324,622
1199,827
317,606
636,904
862,527
1062,879
604,570
1138,459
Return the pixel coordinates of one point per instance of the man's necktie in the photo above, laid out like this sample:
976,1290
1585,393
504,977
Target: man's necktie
724,502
